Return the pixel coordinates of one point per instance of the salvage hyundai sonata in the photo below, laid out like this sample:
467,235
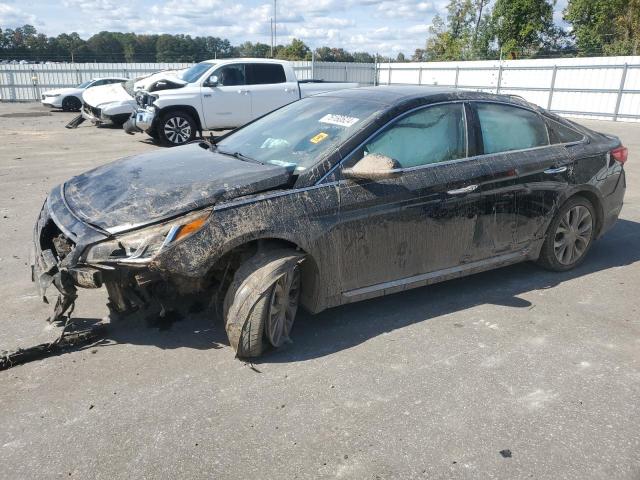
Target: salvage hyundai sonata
335,198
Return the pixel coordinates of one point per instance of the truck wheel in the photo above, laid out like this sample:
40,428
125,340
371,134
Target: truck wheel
176,128
569,236
71,104
261,303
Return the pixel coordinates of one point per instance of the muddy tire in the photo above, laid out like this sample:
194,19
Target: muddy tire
570,235
71,104
261,302
176,128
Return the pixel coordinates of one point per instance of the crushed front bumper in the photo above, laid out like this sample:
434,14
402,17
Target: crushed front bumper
142,120
93,114
58,241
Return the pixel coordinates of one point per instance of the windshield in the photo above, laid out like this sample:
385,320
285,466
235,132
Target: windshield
85,84
299,134
192,74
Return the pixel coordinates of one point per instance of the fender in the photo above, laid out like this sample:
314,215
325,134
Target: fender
185,108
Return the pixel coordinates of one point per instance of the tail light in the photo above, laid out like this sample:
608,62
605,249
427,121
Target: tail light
619,154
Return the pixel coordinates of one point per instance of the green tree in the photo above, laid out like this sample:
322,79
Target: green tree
610,27
106,47
296,50
363,57
69,45
521,25
453,39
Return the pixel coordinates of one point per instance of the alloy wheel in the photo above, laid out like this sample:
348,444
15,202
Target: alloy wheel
177,130
282,307
573,235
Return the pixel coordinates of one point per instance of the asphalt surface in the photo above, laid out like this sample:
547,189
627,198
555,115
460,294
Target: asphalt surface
514,373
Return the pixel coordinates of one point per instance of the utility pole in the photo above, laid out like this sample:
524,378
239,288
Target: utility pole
271,25
275,23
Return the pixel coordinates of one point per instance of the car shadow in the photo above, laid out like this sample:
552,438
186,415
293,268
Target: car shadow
344,327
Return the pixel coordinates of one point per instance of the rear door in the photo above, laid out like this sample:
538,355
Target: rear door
269,88
518,136
228,103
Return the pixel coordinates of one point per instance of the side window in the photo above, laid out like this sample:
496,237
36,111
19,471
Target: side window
506,128
265,73
560,133
97,83
231,75
431,135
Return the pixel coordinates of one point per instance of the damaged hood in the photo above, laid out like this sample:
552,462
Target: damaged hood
114,92
147,188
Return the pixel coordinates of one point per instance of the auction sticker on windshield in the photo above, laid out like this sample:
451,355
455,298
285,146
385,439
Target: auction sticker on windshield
319,137
340,120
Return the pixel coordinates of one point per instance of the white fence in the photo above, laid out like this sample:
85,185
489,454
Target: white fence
26,82
605,88
597,87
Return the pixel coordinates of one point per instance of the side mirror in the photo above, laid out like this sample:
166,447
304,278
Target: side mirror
212,81
373,167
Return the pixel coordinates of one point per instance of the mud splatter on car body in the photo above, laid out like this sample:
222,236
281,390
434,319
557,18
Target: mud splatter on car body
360,239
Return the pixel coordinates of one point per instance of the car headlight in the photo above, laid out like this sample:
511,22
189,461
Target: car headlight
52,95
141,246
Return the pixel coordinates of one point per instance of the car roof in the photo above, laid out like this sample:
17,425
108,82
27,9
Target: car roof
391,95
246,59
109,78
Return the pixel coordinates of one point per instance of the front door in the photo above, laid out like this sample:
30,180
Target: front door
226,103
421,221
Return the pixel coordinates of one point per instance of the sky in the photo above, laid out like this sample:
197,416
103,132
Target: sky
385,27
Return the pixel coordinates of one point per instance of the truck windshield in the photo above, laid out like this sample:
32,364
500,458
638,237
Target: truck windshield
299,134
192,74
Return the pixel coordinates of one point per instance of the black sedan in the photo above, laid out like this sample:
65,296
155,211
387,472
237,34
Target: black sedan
332,199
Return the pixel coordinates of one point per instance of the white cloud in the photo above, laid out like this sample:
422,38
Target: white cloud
11,17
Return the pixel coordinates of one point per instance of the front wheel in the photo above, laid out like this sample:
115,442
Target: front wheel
71,104
176,128
569,236
262,301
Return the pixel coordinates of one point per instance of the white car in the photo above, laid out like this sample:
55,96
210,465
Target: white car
70,99
113,104
218,95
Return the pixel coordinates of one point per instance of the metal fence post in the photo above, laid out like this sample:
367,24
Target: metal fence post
553,84
313,65
499,78
12,85
375,73
78,76
457,76
620,91
346,73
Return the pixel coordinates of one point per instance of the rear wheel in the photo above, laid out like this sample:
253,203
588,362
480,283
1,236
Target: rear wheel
570,235
176,128
262,301
71,104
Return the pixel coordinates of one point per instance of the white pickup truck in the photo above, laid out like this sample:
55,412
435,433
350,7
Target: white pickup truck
219,94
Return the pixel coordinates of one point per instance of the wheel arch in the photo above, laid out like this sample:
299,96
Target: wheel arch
595,197
191,110
242,248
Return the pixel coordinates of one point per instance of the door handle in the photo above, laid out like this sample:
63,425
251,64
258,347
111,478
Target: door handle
553,170
458,191
244,92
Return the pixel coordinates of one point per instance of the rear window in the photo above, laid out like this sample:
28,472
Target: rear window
505,128
559,133
265,73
